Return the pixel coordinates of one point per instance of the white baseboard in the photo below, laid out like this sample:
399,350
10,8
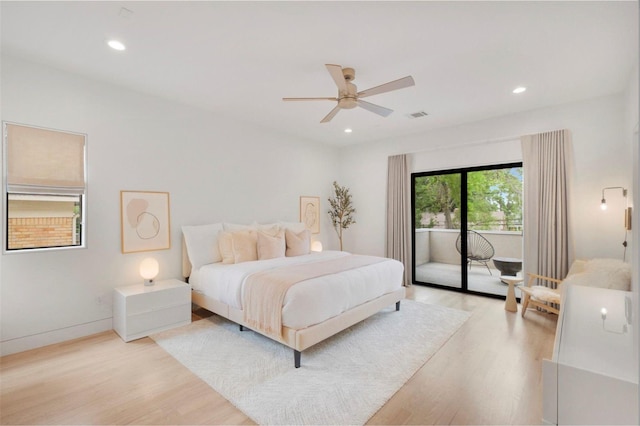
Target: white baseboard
22,344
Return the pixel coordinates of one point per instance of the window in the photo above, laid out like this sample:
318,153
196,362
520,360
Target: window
45,188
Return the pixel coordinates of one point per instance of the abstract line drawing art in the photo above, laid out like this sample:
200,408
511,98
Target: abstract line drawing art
310,213
145,221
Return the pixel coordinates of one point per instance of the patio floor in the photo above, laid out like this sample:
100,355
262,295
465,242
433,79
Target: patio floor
449,275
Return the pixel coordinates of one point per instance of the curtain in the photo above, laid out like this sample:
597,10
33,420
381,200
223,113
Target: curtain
398,218
547,161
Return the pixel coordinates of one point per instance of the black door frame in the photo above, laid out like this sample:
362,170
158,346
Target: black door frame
463,223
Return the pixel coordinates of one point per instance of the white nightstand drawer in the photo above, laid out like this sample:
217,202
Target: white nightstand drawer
149,322
140,310
153,299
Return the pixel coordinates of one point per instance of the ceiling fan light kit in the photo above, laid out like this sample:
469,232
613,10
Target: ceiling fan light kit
348,95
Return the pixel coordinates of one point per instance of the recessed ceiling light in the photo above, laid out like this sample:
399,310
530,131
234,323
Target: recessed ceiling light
116,45
348,130
519,89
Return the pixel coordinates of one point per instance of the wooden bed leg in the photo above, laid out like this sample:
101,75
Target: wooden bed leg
398,305
296,358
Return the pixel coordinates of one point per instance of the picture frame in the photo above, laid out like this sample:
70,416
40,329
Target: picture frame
310,213
145,223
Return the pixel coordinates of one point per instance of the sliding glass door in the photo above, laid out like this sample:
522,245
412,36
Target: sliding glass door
467,227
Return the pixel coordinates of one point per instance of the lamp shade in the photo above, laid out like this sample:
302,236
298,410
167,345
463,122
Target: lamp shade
149,268
316,246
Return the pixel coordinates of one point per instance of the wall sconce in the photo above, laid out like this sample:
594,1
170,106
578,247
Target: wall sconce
603,204
316,246
627,210
149,268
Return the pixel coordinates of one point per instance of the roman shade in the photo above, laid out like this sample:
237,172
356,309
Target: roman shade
44,161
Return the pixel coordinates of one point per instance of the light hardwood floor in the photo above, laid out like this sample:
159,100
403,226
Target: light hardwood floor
489,372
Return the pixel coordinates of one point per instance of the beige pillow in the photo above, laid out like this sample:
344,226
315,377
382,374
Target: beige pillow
271,246
244,244
225,245
298,244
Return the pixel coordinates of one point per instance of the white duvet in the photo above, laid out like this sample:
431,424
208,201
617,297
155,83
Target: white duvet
309,302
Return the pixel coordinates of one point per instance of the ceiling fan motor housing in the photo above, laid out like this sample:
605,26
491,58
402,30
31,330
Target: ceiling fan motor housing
348,99
349,74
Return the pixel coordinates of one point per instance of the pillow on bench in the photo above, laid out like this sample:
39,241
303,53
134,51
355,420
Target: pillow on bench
604,273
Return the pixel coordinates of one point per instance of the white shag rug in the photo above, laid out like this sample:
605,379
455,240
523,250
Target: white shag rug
343,380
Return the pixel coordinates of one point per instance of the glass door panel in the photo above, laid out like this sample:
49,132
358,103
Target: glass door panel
494,224
437,227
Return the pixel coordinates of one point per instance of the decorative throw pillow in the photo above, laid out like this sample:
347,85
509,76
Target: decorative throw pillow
298,244
244,244
225,245
271,246
202,243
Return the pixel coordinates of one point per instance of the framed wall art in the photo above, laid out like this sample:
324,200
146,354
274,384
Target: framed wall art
144,221
310,213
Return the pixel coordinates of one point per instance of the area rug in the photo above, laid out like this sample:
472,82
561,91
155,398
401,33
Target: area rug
343,380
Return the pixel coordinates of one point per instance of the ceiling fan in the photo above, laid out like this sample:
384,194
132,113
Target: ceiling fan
348,96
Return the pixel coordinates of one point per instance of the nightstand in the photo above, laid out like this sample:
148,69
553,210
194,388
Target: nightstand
140,310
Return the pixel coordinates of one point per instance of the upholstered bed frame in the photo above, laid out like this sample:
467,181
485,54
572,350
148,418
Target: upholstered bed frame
302,339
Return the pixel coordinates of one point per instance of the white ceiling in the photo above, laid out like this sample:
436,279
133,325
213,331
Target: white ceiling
240,58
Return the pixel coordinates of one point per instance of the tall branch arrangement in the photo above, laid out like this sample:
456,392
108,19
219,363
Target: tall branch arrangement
341,210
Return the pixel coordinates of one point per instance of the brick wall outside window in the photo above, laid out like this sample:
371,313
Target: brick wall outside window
30,232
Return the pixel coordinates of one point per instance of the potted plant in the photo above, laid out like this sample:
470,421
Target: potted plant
341,210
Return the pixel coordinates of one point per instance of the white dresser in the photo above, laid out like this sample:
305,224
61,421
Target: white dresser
140,310
593,376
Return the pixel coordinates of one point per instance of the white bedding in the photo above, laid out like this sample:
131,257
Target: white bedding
311,301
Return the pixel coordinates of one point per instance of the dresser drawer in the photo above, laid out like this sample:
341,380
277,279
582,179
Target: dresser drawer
152,321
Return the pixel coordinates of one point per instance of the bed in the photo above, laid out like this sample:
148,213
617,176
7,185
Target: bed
321,293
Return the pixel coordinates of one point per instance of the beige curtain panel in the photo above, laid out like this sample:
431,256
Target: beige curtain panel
547,163
41,158
398,214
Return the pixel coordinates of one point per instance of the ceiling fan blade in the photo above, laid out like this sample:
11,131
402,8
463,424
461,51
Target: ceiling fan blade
374,108
338,77
309,99
330,115
387,87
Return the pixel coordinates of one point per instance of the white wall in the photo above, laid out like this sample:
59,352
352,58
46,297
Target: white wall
213,168
601,154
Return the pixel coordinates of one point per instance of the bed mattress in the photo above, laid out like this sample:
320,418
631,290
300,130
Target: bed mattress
308,302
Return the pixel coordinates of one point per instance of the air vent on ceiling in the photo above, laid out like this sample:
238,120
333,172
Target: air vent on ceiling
417,114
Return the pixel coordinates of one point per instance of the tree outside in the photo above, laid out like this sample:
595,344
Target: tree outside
494,200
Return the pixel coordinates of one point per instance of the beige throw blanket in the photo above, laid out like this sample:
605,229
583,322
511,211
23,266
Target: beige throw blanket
264,291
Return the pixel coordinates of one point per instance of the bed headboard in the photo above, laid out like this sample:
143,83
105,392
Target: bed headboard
186,263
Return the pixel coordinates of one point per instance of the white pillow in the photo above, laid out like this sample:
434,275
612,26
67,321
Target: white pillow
232,227
202,243
295,227
268,228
